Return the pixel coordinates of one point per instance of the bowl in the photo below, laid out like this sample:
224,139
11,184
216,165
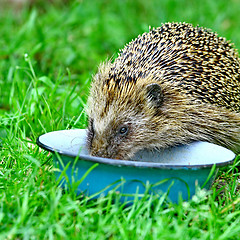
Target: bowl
175,171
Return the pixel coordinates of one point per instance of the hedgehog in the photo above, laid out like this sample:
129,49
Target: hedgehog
172,85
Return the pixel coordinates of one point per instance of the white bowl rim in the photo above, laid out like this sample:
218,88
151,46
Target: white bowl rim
131,163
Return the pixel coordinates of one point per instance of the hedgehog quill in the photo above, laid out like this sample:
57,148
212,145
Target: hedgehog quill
173,85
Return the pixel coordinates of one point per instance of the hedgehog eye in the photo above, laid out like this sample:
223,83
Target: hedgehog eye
123,130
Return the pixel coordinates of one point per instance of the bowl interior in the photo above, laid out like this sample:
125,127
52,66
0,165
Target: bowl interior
201,154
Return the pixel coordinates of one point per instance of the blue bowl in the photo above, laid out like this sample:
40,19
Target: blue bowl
175,171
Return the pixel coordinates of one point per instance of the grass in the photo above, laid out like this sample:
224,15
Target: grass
48,53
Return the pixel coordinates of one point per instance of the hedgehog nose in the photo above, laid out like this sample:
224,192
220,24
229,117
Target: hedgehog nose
99,153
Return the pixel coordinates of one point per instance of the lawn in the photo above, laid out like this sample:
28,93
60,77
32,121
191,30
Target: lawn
49,51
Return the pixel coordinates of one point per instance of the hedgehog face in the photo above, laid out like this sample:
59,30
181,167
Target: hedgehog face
110,136
118,124
112,141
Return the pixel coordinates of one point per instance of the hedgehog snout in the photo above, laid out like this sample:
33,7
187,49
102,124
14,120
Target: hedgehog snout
98,153
103,152
101,148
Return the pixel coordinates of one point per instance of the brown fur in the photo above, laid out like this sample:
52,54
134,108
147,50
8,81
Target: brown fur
198,74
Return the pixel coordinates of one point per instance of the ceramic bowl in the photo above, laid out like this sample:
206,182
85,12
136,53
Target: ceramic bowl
175,171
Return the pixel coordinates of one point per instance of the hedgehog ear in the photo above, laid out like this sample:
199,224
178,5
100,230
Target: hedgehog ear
154,94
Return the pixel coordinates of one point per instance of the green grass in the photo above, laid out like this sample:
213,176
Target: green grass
48,54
